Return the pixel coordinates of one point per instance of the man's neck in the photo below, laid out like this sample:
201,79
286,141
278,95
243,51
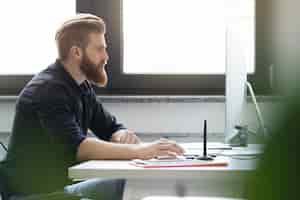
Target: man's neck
74,70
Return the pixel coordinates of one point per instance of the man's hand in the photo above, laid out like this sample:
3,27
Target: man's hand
162,147
125,136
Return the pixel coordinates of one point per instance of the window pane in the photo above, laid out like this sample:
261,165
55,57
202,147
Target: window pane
27,34
184,36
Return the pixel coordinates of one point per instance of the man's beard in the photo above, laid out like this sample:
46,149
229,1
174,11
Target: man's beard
93,72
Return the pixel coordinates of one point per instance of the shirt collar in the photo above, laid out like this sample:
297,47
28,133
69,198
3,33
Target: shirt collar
67,76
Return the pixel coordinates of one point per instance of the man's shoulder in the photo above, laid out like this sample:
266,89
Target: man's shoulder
45,85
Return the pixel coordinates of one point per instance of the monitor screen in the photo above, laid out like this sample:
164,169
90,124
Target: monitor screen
236,78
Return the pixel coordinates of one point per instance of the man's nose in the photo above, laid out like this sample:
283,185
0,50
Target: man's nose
106,56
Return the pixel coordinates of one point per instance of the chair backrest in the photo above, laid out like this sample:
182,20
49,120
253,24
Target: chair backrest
3,185
5,193
49,196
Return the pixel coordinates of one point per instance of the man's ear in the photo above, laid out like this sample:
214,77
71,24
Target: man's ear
76,52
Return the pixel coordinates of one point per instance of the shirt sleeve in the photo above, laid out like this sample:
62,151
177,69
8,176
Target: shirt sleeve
103,124
58,120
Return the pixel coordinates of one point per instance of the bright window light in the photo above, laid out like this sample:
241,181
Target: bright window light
27,34
184,36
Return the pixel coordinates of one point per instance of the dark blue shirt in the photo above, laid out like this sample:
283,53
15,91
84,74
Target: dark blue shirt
53,115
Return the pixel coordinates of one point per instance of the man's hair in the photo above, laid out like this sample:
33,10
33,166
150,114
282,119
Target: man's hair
75,32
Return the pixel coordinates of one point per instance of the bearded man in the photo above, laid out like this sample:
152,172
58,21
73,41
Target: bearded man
54,113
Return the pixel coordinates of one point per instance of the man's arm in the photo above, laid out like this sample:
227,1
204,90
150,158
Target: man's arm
96,149
105,126
58,120
102,123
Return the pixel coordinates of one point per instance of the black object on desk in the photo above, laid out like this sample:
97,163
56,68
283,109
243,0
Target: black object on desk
205,156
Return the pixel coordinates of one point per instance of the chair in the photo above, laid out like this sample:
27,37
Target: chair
5,195
49,196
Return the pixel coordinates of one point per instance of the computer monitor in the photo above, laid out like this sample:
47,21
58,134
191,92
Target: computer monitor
235,114
235,88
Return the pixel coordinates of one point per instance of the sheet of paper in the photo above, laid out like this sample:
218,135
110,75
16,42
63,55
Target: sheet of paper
179,162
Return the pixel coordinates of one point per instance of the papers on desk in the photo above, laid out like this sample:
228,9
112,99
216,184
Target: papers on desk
179,162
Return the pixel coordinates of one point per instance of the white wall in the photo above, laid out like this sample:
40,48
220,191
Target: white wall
149,117
158,117
6,115
170,117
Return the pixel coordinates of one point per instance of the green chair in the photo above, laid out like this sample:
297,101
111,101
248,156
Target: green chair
6,195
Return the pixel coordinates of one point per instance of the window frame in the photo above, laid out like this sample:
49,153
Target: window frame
129,84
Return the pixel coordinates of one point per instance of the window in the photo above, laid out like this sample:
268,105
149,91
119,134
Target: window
177,47
27,39
184,36
158,47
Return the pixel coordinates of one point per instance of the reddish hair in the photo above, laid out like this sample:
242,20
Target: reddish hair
75,32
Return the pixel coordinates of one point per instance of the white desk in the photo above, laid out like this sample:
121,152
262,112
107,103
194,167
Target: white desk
194,181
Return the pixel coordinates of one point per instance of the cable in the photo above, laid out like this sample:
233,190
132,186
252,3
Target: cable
3,146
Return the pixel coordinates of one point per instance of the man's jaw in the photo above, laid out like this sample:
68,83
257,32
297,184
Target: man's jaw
102,81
